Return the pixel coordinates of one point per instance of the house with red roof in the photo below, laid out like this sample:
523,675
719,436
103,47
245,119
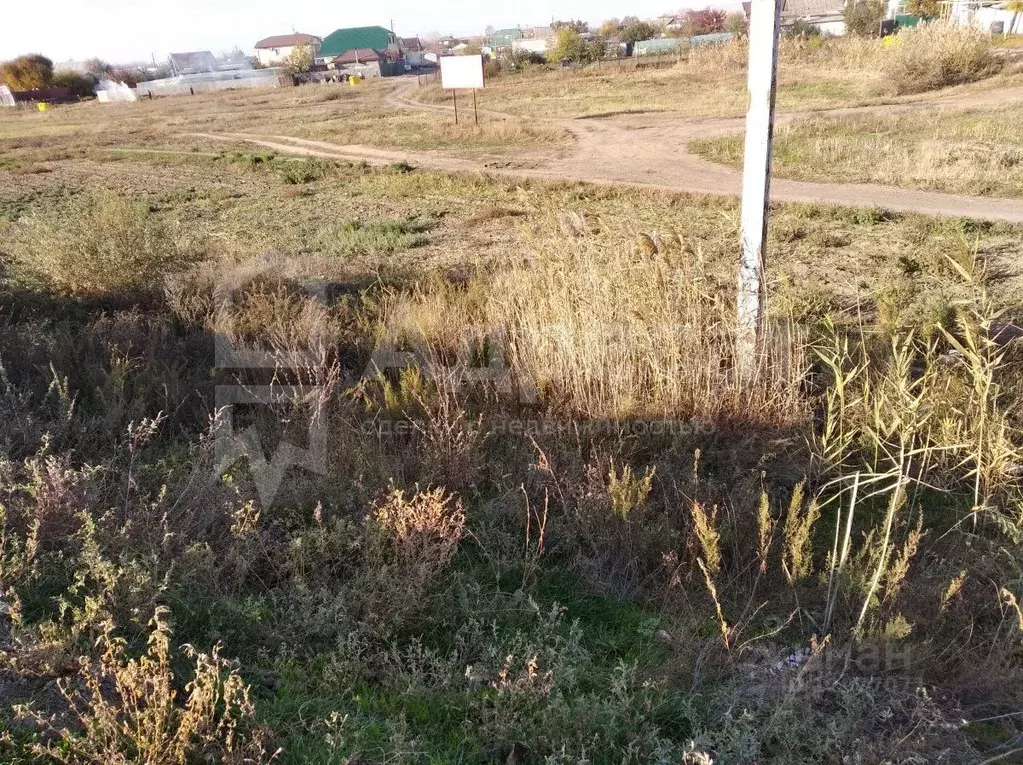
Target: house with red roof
276,49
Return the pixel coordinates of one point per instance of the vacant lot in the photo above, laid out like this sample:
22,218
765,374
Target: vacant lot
961,151
533,512
340,114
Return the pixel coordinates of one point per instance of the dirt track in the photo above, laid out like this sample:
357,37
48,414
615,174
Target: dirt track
650,150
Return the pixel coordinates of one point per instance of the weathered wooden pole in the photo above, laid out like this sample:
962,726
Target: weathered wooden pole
764,28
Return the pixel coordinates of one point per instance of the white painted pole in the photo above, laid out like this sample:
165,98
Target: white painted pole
764,28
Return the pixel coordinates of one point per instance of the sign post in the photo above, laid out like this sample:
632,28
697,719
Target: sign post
464,72
765,24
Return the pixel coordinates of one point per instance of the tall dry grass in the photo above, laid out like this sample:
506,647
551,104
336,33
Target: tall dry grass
937,55
609,330
617,334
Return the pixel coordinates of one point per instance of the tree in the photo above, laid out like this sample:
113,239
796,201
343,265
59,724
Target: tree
864,17
300,59
802,28
81,84
706,22
27,72
97,67
736,24
578,26
569,46
927,9
613,28
640,30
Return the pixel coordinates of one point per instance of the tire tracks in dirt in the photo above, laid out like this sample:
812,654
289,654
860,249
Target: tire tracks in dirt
650,150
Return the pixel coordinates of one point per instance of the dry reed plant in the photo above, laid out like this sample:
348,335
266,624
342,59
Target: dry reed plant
611,333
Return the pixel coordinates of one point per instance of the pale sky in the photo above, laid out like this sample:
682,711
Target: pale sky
134,30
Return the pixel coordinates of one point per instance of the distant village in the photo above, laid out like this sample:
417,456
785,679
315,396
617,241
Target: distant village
355,53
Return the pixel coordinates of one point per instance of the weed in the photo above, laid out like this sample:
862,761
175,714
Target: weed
355,238
937,55
100,245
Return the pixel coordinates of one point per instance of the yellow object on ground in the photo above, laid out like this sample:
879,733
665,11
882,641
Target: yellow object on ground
355,79
42,107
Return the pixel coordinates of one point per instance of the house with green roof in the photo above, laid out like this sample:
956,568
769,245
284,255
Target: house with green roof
503,38
360,38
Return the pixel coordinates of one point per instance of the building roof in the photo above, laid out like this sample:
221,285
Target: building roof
504,37
287,41
341,40
808,9
194,61
412,44
359,56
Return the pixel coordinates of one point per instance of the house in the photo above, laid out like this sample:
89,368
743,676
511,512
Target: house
672,22
278,48
827,15
195,62
412,44
503,38
989,15
537,47
538,33
367,62
360,38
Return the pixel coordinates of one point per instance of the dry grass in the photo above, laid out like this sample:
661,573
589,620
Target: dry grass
954,150
813,74
615,332
102,245
503,557
937,55
364,117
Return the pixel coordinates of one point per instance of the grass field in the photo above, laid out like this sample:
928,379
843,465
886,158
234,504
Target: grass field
549,519
337,113
961,151
812,75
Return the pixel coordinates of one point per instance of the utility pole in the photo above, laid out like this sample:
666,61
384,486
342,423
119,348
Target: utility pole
765,25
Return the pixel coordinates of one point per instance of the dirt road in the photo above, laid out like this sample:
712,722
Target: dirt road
651,150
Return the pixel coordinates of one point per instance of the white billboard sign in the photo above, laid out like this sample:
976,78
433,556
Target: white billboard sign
461,72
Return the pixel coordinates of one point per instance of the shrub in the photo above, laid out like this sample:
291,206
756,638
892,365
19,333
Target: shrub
82,84
864,17
299,171
378,237
27,72
938,55
129,710
100,245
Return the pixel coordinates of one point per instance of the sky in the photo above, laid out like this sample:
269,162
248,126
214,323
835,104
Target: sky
121,31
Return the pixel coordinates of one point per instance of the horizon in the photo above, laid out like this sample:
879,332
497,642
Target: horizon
92,29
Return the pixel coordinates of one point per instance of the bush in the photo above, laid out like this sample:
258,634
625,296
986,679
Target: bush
129,708
82,84
938,55
864,17
100,245
376,237
27,72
